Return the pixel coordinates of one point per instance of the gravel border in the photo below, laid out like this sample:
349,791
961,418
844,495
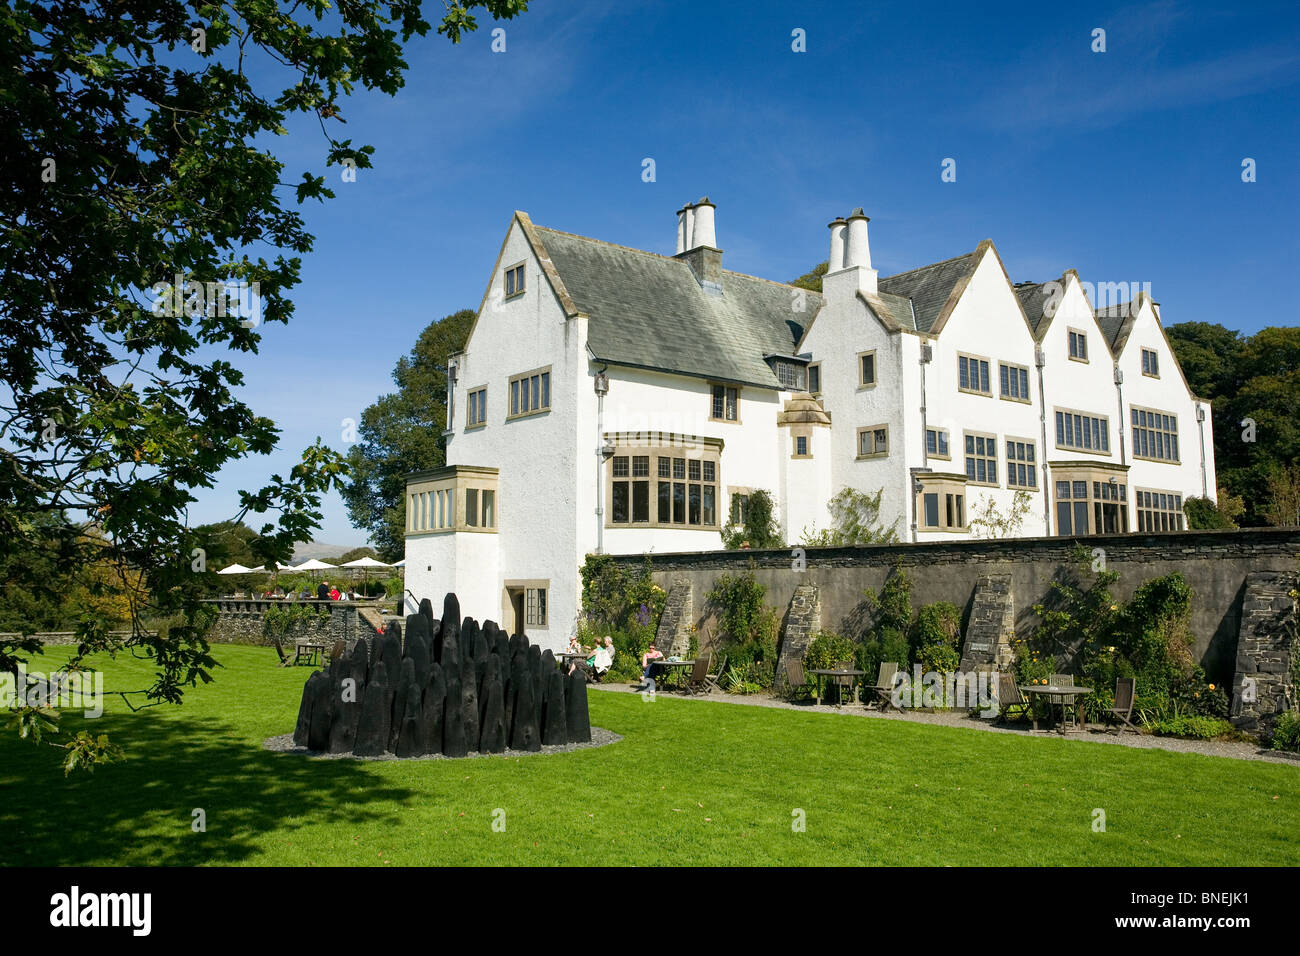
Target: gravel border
1232,749
600,737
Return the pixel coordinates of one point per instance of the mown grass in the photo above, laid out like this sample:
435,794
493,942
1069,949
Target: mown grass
691,783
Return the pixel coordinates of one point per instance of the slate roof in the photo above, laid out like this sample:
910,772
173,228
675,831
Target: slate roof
1034,297
1116,323
648,311
928,288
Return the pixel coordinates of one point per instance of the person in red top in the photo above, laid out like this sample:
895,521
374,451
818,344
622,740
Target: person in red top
334,594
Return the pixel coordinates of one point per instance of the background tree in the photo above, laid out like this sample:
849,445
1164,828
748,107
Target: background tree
402,433
135,153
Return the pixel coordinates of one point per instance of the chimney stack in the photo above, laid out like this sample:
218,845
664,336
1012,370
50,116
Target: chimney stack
697,244
848,270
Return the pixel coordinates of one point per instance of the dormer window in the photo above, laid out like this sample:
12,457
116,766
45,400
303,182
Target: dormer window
793,375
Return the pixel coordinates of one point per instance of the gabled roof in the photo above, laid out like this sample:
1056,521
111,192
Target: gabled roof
648,311
931,288
1034,299
1116,322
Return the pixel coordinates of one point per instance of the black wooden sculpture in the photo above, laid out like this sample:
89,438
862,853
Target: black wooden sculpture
450,688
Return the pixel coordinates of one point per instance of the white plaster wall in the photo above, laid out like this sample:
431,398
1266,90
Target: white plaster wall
1168,393
1084,386
987,322
845,327
806,484
645,401
537,456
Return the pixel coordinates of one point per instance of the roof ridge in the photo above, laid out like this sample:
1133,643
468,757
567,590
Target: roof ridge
659,255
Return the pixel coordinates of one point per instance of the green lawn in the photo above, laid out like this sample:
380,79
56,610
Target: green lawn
690,783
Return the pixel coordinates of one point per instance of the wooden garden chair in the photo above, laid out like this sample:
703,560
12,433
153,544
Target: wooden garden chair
884,689
1065,703
699,676
795,678
1125,694
713,681
285,659
843,684
1009,697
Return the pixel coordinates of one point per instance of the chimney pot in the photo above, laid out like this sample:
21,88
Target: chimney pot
839,235
857,252
702,233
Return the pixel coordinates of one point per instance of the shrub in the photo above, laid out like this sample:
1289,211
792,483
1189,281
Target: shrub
828,649
615,599
855,520
937,630
892,605
1197,728
1205,514
759,529
1286,732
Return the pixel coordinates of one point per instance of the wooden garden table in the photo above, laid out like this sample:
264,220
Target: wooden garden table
1063,691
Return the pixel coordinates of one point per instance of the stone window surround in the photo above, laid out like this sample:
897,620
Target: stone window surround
941,483
1075,449
526,585
974,358
724,420
521,283
456,479
665,445
541,409
1088,472
988,437
1026,400
1144,512
801,431
1035,465
1177,460
1155,363
875,370
874,454
936,453
469,404
1084,336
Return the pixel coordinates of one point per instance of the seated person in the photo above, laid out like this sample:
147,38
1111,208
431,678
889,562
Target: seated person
650,669
601,659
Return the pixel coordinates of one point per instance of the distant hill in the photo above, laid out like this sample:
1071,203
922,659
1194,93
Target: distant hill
319,550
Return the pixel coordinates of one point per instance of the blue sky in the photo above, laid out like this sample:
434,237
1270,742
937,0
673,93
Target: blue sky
1125,165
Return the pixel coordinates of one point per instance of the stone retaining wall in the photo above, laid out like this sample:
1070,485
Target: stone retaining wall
1215,564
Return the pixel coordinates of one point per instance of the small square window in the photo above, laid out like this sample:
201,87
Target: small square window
801,445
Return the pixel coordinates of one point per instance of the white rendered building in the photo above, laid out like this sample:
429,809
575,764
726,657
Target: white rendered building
614,400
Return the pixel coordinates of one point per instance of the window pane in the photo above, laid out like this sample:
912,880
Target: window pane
814,378
679,467
620,466
717,401
984,376
679,503
546,390
693,469
732,412
868,369
619,501
709,503
489,509
640,501
801,445
943,443
663,467
963,372
665,495
514,397
1006,384
694,500
471,507
931,510
931,442
640,466
536,396
710,471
